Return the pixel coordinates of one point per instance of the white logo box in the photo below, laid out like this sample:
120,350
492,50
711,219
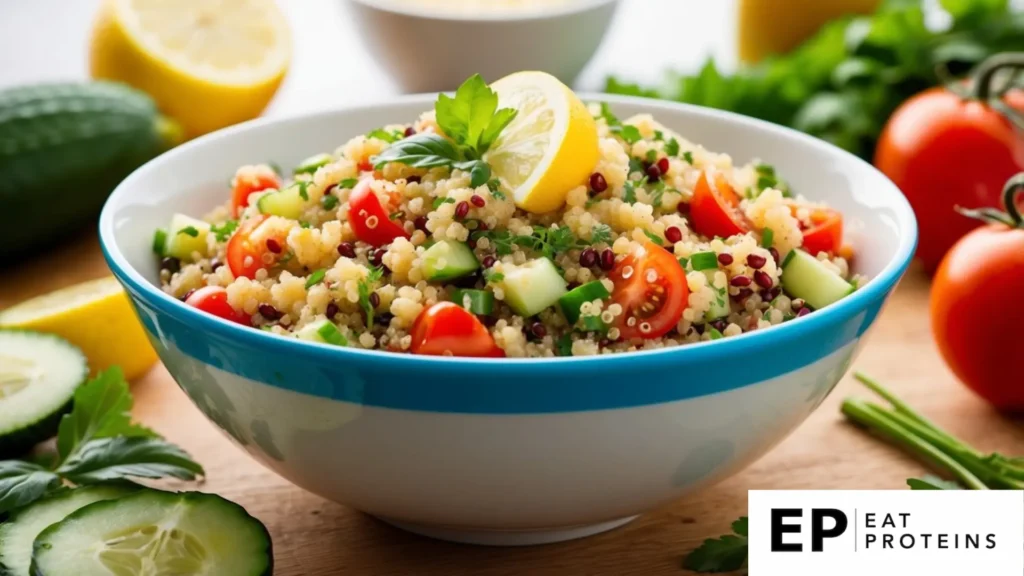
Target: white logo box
933,532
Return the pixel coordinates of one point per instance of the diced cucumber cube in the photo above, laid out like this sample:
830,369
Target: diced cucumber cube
571,302
806,277
186,235
476,301
287,203
533,286
447,260
323,331
311,164
720,307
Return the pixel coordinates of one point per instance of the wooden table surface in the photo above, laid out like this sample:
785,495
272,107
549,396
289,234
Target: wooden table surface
314,537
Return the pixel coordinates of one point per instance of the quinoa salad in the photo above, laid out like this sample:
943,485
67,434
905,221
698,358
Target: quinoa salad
513,220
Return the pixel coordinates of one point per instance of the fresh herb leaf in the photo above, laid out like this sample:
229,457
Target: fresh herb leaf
659,136
932,483
189,231
479,172
22,483
365,287
330,333
629,191
471,118
439,201
492,276
159,241
657,192
564,344
304,224
688,156
713,333
106,459
316,278
766,178
636,166
303,185
329,202
224,230
704,261
651,156
389,137
683,261
629,133
348,183
495,187
672,147
610,119
502,118
724,554
102,409
600,233
423,150
654,238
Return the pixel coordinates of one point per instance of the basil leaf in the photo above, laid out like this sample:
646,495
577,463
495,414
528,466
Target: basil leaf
479,172
108,459
423,150
102,409
22,483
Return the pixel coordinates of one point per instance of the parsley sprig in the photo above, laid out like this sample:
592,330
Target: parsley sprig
366,287
723,554
224,230
547,242
97,442
629,133
473,122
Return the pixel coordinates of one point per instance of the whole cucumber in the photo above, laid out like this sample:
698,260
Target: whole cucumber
63,149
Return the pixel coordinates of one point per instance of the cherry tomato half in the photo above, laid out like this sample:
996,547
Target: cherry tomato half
714,209
976,313
825,233
214,300
651,287
368,218
245,254
248,182
447,327
945,151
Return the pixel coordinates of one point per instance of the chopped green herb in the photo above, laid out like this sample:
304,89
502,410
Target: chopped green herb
654,238
657,192
672,147
304,224
159,241
766,178
564,344
302,186
688,156
396,215
591,202
225,230
714,333
495,186
704,261
439,201
189,231
267,327
330,202
636,165
366,287
767,237
492,276
546,241
683,261
659,136
315,278
286,258
348,183
630,134
382,134
651,156
600,233
629,191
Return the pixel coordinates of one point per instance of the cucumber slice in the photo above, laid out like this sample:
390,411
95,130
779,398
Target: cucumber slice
533,286
323,331
287,203
476,301
313,163
594,324
720,307
154,532
39,374
21,529
186,235
806,277
571,302
447,260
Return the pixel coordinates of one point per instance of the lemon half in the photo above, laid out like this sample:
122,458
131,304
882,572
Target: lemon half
551,145
95,316
207,63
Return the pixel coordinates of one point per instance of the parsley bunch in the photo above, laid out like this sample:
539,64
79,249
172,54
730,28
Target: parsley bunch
97,442
473,122
844,83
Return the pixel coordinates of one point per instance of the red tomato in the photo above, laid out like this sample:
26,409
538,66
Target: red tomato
650,285
214,300
944,151
248,183
447,327
368,219
714,209
976,314
825,233
246,256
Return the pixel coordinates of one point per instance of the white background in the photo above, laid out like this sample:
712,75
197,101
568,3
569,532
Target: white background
47,40
932,511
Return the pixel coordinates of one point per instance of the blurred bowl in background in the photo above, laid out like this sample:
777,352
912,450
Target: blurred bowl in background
430,49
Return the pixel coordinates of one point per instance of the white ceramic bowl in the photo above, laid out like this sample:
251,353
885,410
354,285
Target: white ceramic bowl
429,50
517,451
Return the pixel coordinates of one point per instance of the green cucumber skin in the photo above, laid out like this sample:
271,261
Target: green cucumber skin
15,444
150,493
63,149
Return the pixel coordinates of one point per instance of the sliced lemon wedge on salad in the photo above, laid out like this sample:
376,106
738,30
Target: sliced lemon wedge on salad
551,145
208,64
95,316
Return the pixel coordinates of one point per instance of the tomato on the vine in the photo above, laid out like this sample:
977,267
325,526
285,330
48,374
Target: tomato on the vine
371,223
714,208
447,328
651,287
975,313
246,183
944,150
250,250
214,300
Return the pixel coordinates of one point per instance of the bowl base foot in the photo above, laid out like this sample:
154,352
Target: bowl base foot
485,537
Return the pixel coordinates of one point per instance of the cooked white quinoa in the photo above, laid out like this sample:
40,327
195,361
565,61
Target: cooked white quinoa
312,244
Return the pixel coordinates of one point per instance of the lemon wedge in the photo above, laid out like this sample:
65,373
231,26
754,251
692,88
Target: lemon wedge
551,145
95,316
208,64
